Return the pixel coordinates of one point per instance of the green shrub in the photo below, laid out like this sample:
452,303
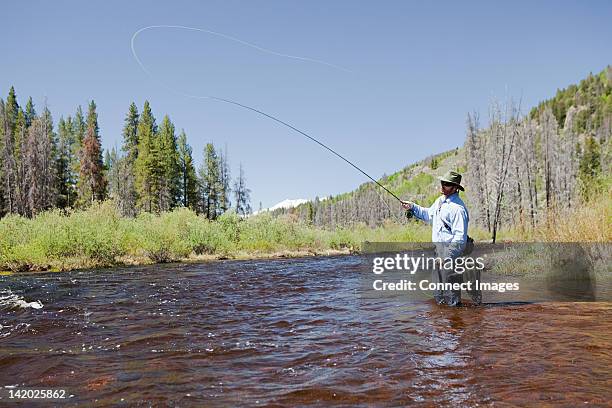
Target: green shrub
209,237
162,238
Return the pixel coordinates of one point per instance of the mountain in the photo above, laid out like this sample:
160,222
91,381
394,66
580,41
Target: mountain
515,170
285,204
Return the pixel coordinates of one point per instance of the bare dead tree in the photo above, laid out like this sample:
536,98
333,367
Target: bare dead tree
40,174
504,131
475,145
526,150
549,131
566,169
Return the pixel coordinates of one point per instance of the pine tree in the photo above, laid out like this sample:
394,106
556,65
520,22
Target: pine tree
11,110
187,181
130,133
73,145
106,165
169,185
69,150
2,159
7,163
589,168
79,128
126,195
30,112
65,189
146,167
310,214
14,165
434,163
242,194
92,183
209,183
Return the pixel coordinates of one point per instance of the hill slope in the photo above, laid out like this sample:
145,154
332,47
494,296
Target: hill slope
515,170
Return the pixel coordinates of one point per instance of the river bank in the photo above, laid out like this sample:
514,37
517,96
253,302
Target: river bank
99,237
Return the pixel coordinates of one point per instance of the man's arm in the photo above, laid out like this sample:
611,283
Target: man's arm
421,213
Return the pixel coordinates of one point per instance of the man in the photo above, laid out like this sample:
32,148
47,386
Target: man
449,220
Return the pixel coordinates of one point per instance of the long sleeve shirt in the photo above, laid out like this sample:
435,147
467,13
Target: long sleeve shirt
449,223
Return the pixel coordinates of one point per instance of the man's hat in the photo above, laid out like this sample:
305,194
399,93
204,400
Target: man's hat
453,178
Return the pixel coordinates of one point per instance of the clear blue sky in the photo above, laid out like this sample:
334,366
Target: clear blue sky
417,68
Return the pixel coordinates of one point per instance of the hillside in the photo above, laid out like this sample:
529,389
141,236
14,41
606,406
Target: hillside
517,170
371,205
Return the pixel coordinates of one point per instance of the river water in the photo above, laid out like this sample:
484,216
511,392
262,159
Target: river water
289,332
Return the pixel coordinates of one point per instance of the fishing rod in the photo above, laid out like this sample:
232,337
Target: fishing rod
246,106
309,137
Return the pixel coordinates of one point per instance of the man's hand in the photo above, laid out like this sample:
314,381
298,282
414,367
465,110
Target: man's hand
407,205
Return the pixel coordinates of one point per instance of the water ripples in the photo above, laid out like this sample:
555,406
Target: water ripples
285,333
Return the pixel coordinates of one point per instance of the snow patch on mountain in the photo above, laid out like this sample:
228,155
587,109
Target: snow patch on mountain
284,204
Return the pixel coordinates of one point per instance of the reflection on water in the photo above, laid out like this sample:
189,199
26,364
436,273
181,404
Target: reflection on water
290,332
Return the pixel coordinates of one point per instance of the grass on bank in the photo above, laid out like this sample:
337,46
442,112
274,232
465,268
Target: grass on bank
99,236
586,222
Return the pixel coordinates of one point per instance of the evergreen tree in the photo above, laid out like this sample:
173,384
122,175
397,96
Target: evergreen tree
590,168
188,181
126,195
209,183
92,183
2,160
30,112
80,126
130,133
434,163
146,167
11,110
310,215
167,160
7,164
65,191
242,194
106,165
72,146
13,168
24,121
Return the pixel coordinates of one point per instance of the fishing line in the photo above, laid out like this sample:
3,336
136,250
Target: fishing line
231,102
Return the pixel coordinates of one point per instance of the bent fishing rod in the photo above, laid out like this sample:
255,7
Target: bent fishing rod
246,106
309,137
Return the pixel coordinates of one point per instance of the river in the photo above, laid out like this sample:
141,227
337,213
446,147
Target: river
289,332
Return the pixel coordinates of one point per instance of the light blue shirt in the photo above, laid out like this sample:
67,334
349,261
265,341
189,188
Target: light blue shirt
449,223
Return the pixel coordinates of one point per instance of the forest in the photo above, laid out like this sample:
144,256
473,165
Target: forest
66,204
43,167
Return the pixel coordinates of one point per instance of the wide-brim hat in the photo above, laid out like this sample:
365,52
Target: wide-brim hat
453,178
